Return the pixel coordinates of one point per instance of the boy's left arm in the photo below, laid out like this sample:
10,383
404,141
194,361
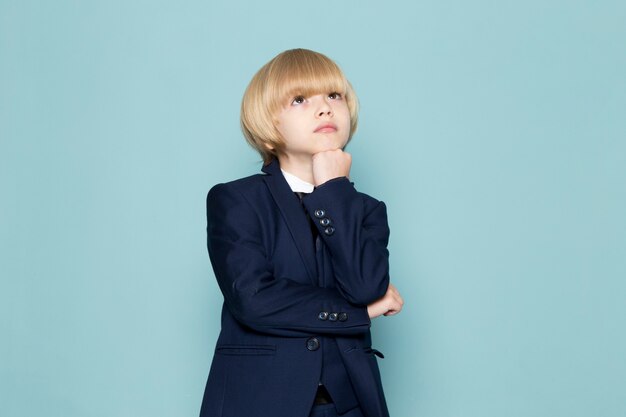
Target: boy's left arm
354,228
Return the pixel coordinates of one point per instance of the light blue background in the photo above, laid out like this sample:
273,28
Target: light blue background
494,130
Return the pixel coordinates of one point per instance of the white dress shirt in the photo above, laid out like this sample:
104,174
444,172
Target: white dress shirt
297,185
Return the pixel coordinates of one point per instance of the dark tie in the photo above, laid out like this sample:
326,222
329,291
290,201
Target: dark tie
301,195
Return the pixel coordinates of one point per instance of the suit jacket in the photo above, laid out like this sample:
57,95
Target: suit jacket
286,294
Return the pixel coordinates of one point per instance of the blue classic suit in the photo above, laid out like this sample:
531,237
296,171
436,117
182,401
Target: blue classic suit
286,294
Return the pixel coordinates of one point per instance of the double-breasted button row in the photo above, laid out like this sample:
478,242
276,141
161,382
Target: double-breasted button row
312,343
325,315
324,221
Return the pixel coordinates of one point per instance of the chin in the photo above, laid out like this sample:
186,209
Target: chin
331,145
328,148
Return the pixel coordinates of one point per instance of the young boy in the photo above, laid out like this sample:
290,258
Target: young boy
300,256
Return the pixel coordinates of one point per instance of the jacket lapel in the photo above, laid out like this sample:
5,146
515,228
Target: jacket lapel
294,215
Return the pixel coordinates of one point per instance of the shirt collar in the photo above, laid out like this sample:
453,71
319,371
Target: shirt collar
296,184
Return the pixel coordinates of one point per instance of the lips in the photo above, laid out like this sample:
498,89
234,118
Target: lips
326,128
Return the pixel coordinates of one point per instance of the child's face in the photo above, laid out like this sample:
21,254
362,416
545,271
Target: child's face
314,124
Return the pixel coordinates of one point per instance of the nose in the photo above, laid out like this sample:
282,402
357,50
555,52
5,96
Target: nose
323,108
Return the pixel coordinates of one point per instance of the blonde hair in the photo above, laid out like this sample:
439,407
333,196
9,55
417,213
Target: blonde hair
291,73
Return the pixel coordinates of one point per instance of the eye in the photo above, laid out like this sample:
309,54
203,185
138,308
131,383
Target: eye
335,96
298,100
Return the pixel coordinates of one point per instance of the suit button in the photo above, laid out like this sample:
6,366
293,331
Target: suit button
343,316
329,230
333,316
323,315
312,344
319,213
325,222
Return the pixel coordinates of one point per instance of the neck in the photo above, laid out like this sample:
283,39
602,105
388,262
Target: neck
301,167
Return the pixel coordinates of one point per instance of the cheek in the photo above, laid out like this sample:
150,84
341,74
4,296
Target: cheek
283,126
342,114
345,113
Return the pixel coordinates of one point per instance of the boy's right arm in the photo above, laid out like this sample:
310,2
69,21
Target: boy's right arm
252,294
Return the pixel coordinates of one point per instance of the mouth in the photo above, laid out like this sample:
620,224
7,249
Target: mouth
326,128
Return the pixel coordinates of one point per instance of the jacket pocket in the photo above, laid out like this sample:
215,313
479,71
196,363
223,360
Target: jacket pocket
366,350
374,352
245,350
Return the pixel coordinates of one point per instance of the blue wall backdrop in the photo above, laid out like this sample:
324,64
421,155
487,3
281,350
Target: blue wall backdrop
495,132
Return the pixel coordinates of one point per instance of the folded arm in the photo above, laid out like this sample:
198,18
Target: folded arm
355,230
254,296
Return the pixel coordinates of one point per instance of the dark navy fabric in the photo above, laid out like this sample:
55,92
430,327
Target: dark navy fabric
328,410
289,300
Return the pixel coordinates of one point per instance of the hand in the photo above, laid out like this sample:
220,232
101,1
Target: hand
390,304
331,164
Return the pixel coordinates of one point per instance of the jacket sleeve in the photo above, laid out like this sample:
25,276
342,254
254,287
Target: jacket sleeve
354,228
256,298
